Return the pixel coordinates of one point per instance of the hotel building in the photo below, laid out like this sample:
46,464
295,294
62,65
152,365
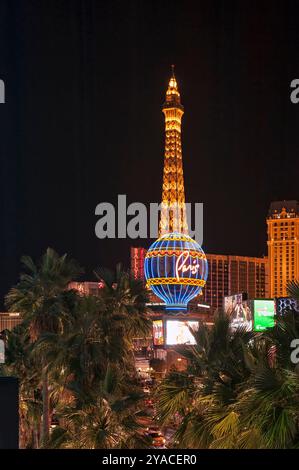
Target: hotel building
229,275
283,245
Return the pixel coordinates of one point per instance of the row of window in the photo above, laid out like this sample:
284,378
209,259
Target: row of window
283,223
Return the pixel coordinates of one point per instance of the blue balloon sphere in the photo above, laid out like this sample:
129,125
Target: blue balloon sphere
176,269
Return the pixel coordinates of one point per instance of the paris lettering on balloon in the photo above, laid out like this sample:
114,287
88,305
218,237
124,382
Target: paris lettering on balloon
183,265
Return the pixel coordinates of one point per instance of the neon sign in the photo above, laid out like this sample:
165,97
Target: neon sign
176,269
181,264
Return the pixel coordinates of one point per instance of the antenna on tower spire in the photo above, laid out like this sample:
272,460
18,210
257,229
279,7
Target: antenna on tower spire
172,68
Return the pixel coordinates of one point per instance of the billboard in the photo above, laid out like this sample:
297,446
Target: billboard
264,314
230,301
158,333
285,304
177,332
239,311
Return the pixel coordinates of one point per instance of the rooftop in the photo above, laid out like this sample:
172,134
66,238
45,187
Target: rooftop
283,209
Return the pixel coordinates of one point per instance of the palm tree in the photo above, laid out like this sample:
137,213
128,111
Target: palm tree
104,418
83,347
124,316
216,362
234,395
79,354
40,297
293,289
96,340
268,405
20,362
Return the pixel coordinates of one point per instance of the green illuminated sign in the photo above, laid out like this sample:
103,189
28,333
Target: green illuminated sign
264,313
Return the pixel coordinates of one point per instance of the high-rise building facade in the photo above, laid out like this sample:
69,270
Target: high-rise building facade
230,275
283,245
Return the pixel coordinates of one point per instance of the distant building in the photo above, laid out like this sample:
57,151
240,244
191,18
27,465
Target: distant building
230,275
87,287
9,320
137,262
283,245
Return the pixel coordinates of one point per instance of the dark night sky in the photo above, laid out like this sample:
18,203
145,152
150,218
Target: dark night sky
85,81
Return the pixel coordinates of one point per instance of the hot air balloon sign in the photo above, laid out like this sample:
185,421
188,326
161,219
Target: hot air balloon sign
176,269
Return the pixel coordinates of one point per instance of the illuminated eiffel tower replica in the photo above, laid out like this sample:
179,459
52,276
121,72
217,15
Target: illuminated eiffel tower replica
173,212
171,320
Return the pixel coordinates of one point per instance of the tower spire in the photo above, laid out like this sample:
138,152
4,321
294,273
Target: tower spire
173,211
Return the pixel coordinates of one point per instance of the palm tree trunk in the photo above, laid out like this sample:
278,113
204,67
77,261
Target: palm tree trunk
46,420
22,439
35,437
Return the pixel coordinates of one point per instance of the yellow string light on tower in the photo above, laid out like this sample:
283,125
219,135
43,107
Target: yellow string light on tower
173,211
